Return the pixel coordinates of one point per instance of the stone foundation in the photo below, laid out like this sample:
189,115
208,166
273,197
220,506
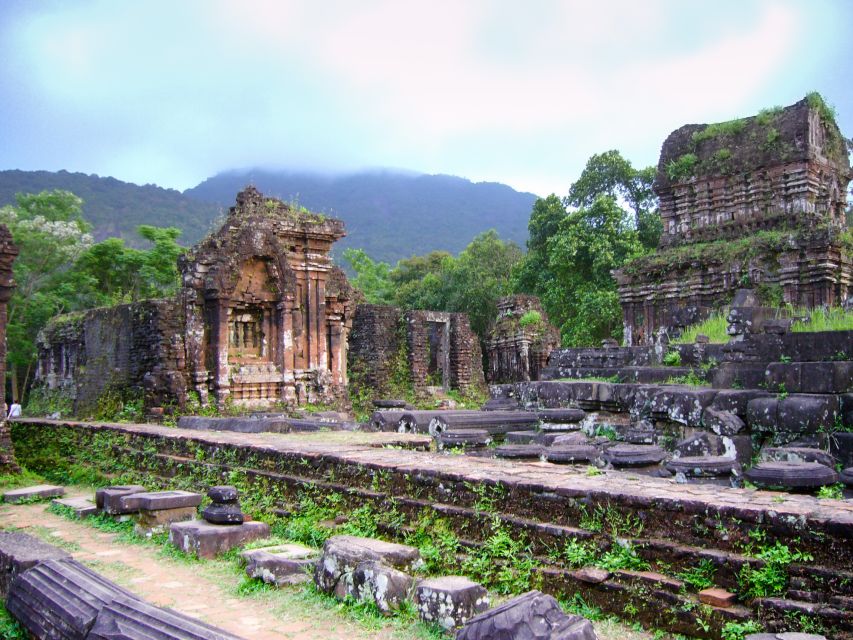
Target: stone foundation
671,526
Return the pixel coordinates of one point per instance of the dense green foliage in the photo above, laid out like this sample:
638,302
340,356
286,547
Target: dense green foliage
572,252
471,282
115,208
61,269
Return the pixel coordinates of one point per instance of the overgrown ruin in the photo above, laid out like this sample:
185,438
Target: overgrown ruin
8,253
519,344
262,317
753,202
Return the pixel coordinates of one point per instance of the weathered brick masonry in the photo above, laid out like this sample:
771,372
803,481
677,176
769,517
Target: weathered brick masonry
671,525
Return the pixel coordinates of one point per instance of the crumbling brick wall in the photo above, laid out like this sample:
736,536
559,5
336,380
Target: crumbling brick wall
518,352
8,253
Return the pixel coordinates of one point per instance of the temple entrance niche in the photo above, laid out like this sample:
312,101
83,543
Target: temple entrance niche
254,367
438,368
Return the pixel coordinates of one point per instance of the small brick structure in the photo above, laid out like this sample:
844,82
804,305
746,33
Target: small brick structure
518,350
722,188
429,348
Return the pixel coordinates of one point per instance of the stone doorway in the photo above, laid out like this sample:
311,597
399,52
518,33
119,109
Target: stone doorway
438,368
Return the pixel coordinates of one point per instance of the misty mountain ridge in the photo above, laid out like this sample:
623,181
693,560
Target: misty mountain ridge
391,214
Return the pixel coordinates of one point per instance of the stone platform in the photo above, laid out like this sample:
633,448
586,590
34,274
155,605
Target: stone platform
677,525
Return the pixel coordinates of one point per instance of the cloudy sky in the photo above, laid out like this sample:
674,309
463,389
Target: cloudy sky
518,92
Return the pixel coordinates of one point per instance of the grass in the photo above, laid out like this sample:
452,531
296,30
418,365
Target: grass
10,629
714,326
822,319
17,480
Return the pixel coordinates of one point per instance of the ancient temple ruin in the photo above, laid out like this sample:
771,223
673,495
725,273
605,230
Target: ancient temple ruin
262,317
753,202
420,349
519,344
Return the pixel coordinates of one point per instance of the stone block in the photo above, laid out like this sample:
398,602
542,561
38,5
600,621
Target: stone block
223,493
465,438
387,587
159,500
566,439
798,454
131,619
60,599
722,423
703,466
591,575
791,475
634,455
571,454
699,444
450,601
109,499
281,564
801,413
530,616
736,400
147,523
717,597
207,540
520,437
342,555
223,514
29,494
762,414
519,451
846,476
19,552
841,446
82,507
562,416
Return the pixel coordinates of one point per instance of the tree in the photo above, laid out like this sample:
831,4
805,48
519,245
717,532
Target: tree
609,174
51,234
371,277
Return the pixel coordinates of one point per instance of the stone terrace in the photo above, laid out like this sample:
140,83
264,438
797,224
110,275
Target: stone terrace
671,524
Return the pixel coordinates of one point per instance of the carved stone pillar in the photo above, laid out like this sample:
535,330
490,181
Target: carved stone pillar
8,253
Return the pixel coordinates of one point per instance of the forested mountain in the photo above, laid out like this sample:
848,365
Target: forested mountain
116,208
391,215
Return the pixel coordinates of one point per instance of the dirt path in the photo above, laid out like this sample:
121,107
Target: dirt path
208,590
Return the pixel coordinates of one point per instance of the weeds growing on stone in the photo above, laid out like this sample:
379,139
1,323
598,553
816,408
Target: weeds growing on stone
700,576
714,326
10,629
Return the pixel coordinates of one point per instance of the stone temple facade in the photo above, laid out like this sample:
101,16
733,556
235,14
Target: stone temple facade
754,202
262,317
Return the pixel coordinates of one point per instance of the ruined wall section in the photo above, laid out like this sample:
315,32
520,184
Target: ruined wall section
518,350
130,348
8,253
374,345
755,202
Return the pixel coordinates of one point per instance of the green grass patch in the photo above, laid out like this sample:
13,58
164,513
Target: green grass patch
10,629
26,478
714,326
821,319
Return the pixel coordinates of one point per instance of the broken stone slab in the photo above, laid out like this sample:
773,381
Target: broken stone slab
519,451
634,455
722,423
238,425
791,475
223,493
795,414
500,404
846,476
736,400
565,439
784,636
387,587
560,427
520,437
82,507
390,403
60,599
207,540
495,422
110,499
158,500
561,416
703,466
147,523
19,552
132,619
465,438
798,454
281,564
30,494
450,601
384,421
530,616
418,421
342,554
717,597
570,454
545,438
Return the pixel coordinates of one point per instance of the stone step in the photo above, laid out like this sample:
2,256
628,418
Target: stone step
82,507
519,451
634,455
37,492
571,454
703,466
